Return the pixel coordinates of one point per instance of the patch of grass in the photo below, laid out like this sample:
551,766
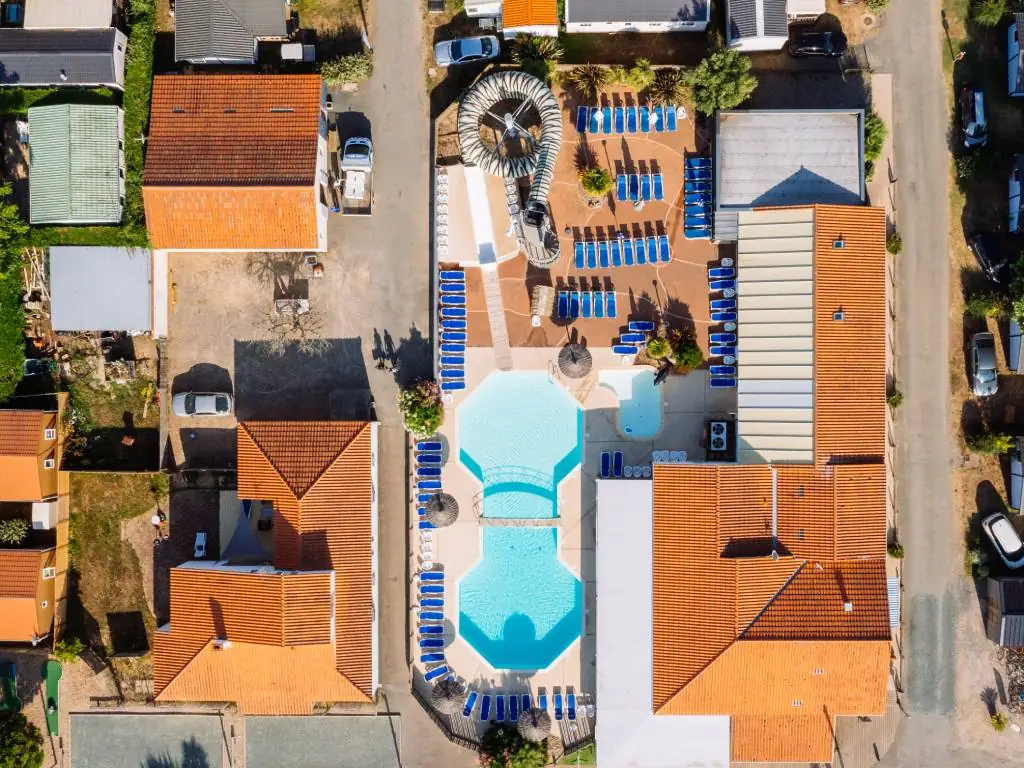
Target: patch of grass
138,86
329,15
585,756
15,102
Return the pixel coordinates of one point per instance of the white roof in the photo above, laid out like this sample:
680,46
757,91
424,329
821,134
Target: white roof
628,732
805,7
68,14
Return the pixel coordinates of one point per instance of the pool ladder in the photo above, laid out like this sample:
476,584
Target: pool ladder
553,373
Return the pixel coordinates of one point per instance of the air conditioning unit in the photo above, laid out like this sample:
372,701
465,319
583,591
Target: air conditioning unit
718,430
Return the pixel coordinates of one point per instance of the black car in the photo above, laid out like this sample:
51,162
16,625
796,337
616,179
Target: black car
989,258
829,44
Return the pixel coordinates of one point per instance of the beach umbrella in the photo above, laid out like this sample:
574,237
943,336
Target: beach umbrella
666,366
534,724
442,510
574,361
447,696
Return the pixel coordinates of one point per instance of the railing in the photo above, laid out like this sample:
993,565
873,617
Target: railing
444,724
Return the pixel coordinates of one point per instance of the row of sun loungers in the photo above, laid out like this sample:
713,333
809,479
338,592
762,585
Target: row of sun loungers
723,345
633,187
511,705
697,204
611,465
428,469
668,457
441,212
431,611
573,304
630,343
622,120
453,315
621,251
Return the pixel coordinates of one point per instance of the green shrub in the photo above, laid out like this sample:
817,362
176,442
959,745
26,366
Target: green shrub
875,133
966,166
138,86
991,443
12,338
354,68
422,408
14,532
21,744
640,76
537,56
876,6
721,81
895,550
596,182
894,244
658,348
588,79
982,304
502,746
988,13
618,75
668,87
686,354
68,648
894,398
999,721
159,485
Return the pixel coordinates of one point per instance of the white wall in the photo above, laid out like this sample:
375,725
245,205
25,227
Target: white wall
120,45
600,27
509,33
758,43
483,10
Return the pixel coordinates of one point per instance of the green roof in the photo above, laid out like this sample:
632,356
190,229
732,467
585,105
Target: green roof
75,164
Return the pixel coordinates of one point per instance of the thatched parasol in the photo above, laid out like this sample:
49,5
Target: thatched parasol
534,724
574,361
447,696
442,510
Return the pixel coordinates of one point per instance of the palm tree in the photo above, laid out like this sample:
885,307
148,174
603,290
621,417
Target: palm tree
589,80
658,348
537,56
596,182
668,87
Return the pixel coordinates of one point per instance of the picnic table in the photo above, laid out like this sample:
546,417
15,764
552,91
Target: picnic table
52,672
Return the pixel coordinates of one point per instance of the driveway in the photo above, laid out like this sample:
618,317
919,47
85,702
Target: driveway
322,742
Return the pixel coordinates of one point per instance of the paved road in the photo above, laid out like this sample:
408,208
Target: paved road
387,257
908,45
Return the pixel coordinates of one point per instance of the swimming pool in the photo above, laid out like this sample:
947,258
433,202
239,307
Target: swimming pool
520,607
520,434
639,401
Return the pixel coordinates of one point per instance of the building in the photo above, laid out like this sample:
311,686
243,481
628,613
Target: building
82,280
68,14
38,58
27,594
768,158
1004,620
515,17
29,455
76,164
1014,61
280,636
755,609
644,16
226,31
237,163
763,25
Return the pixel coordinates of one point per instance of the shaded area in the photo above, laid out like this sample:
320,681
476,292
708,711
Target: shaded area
163,740
323,742
127,633
191,510
208,448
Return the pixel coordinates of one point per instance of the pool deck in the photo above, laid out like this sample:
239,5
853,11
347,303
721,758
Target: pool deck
686,403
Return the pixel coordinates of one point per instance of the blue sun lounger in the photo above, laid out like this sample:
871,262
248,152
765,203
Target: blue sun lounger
721,273
453,301
645,187
513,708
640,250
430,485
721,351
723,317
698,174
431,589
431,575
630,119
499,708
485,708
595,120
571,699
542,700
617,464
421,511
641,326
722,338
627,252
524,703
431,642
645,120
452,386
620,120
453,287
425,525
563,303
558,706
698,161
664,251
452,276
467,711
423,498
452,361
620,187
436,673
428,458
432,629
577,254
691,187
624,349
611,306
453,312
429,445
633,338
453,325
606,464
431,602
428,471
652,250
670,119
634,187
598,303
616,247
722,285
721,305
697,233
591,254
585,304
659,186
574,304
722,370
721,382
602,254
453,373
606,120
581,119
431,616
697,198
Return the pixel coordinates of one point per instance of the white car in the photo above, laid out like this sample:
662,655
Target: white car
1005,539
466,50
201,404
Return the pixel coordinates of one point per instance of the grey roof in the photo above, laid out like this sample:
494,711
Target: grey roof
38,57
68,14
744,14
75,164
129,741
636,10
788,157
313,742
224,29
1017,73
1011,632
100,289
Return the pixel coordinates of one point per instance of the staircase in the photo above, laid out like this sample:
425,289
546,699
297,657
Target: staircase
496,316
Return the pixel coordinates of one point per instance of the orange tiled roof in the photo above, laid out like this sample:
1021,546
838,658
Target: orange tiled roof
21,432
232,218
319,477
528,13
781,738
20,572
20,575
233,130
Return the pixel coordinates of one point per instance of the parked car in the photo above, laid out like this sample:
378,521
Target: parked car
466,50
201,404
1005,539
810,43
989,257
983,364
972,117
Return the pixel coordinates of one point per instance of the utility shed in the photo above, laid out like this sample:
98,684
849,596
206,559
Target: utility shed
101,289
68,14
62,57
225,31
76,164
1005,621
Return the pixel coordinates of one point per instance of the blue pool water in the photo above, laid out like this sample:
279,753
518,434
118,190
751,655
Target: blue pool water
520,434
520,607
639,401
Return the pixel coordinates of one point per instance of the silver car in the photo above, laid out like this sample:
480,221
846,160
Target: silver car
1005,539
466,50
983,365
201,404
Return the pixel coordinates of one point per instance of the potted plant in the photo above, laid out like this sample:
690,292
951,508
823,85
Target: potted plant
596,183
422,408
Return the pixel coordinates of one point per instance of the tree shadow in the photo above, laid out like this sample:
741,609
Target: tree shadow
413,357
193,755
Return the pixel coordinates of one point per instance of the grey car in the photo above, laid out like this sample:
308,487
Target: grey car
201,404
983,365
466,50
1005,539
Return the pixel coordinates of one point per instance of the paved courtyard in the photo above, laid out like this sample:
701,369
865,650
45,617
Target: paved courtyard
323,742
156,740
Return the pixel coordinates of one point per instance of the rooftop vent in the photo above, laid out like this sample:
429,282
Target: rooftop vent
848,607
839,243
797,703
819,671
839,315
63,75
220,645
230,110
281,109
178,110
